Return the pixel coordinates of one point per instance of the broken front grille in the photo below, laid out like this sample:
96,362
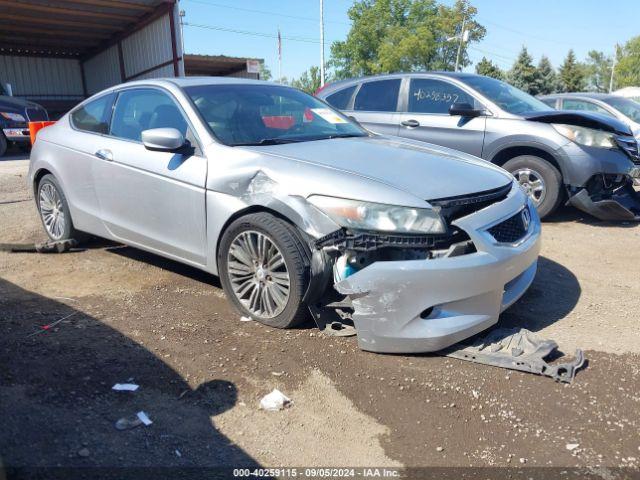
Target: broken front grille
513,228
452,208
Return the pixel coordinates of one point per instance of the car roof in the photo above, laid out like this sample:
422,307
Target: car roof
593,95
195,81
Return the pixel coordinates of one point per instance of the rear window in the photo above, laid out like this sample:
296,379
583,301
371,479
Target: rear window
378,96
94,116
341,98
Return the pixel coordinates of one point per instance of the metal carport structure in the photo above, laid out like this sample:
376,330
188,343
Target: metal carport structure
58,52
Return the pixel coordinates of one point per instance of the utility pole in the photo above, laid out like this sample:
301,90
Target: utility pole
182,14
613,67
279,57
464,19
322,43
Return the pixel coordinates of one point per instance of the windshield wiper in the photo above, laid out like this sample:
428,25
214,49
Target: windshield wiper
266,141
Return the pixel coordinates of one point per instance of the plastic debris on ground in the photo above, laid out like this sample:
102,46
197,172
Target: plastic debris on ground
138,419
245,319
48,327
274,401
125,387
517,349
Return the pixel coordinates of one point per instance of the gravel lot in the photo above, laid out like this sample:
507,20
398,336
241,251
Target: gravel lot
133,315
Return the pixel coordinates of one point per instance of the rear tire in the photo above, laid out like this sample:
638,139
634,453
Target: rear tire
264,270
541,180
54,210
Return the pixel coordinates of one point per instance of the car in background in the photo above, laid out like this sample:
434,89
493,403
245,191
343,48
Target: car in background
15,113
583,157
632,93
291,204
624,109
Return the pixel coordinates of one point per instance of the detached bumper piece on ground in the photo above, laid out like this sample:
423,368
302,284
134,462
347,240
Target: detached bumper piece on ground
60,246
518,350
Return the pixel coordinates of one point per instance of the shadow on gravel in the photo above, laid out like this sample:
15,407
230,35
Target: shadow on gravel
553,294
58,409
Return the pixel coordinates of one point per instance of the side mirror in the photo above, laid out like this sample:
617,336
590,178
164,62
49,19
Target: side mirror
464,109
163,139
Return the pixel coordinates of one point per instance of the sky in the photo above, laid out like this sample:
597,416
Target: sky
248,28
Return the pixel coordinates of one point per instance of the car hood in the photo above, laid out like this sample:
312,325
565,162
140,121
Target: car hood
14,104
425,171
598,121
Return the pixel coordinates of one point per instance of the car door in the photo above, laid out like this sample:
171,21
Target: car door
425,116
152,199
375,105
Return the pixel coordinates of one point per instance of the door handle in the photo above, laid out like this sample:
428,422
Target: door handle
104,154
410,123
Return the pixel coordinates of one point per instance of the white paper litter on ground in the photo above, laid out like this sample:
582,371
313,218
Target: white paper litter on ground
572,446
125,387
245,319
144,418
274,401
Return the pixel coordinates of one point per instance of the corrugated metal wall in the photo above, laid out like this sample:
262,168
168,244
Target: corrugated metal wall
166,71
42,77
103,70
148,47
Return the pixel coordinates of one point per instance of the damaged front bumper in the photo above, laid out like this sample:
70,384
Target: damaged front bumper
610,197
409,306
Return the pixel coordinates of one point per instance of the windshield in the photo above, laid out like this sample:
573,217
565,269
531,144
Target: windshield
267,115
627,107
508,98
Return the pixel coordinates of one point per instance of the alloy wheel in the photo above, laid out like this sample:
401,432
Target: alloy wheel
532,183
52,211
258,274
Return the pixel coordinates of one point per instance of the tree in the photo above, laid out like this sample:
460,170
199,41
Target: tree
309,80
403,35
547,78
627,70
489,69
524,75
572,74
265,73
598,71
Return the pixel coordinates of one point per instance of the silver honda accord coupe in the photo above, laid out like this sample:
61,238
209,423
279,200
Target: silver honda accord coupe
294,206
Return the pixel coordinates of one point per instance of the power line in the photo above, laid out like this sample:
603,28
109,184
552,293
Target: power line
264,12
255,34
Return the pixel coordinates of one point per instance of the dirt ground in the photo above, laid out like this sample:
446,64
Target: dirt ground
133,316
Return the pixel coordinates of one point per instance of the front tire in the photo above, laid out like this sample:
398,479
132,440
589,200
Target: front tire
264,269
540,179
54,210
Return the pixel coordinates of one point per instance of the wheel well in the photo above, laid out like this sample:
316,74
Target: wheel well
242,213
37,177
507,154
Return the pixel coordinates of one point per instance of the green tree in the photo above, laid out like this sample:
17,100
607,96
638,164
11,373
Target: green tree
524,75
627,70
547,78
598,71
309,80
403,35
489,69
265,73
572,74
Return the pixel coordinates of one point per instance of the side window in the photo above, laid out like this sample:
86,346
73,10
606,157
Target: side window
549,101
142,109
575,104
378,96
435,96
341,98
94,116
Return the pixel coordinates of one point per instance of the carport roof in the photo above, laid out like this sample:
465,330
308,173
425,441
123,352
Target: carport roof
214,65
71,28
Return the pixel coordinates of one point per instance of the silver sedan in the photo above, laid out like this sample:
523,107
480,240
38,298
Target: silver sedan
294,206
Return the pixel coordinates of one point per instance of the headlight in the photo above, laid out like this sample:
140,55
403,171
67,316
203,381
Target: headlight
378,216
586,136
